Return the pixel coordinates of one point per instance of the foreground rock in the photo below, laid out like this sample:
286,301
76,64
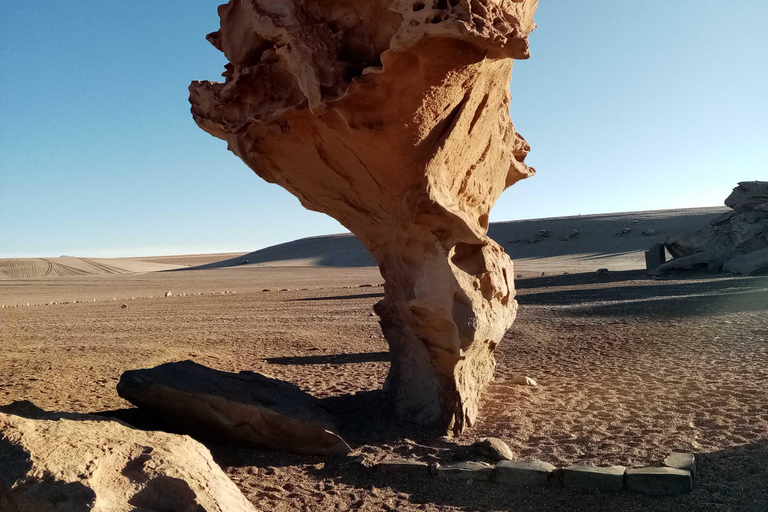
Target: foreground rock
737,242
244,407
60,462
393,118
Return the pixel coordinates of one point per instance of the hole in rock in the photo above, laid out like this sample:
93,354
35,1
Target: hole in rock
441,4
469,258
418,6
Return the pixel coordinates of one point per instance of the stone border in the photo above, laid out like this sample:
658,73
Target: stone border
675,477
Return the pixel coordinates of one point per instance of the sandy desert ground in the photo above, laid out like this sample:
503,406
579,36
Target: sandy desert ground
629,368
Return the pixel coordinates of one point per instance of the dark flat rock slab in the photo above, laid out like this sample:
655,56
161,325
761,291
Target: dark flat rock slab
467,471
588,476
659,481
529,472
245,408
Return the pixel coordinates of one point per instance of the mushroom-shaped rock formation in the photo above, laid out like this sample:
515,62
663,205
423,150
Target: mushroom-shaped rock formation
391,116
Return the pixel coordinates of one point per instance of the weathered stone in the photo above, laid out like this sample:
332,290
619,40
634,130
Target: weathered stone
522,380
659,481
245,407
734,241
680,460
393,118
748,196
493,448
529,472
686,262
63,462
466,471
403,467
748,264
588,476
655,257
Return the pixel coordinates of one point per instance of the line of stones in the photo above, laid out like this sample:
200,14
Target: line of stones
675,477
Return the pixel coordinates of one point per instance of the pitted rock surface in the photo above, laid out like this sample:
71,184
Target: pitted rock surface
393,118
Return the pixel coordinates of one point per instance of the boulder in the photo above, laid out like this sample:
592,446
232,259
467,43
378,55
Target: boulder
246,408
747,196
748,264
734,242
485,448
62,462
393,118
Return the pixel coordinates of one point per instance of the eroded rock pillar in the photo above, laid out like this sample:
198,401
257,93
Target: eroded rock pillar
392,117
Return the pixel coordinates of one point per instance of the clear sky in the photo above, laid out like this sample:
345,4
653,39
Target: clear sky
627,106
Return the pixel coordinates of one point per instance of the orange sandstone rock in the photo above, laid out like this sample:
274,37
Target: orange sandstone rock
393,118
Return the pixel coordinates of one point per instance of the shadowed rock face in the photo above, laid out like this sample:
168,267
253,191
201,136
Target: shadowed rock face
393,118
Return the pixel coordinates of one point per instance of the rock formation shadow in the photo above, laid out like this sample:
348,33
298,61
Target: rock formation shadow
363,357
692,298
342,297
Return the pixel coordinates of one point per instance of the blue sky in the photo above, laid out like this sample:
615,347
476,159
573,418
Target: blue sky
627,106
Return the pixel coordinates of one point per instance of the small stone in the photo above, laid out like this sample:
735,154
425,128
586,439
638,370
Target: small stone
659,481
680,460
528,472
602,273
403,467
493,448
467,470
585,475
168,294
522,380
124,306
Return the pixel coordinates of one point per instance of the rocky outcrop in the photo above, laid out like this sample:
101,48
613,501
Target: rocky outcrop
61,462
736,242
392,116
246,408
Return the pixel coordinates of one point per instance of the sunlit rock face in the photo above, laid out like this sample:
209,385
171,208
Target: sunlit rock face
393,118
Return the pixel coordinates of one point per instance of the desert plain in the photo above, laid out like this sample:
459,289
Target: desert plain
629,367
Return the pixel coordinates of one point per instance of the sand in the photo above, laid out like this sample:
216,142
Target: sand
67,266
629,368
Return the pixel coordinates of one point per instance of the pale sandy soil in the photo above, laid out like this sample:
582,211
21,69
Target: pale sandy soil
68,266
629,369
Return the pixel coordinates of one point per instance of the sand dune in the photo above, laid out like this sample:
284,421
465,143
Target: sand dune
65,266
596,246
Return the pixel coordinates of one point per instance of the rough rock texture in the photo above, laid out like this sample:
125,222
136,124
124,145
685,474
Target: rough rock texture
245,407
60,462
737,242
392,116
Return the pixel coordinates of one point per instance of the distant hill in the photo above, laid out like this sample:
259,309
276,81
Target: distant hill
615,241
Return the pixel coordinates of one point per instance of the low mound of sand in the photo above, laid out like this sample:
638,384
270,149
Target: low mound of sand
27,268
615,241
